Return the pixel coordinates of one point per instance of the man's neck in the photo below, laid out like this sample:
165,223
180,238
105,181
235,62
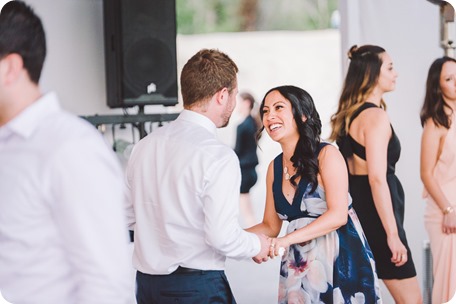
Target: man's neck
16,103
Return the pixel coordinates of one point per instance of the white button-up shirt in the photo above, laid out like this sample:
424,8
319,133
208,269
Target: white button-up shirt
62,222
185,188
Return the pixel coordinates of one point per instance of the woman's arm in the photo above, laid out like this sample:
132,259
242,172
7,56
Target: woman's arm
271,224
334,180
431,143
377,134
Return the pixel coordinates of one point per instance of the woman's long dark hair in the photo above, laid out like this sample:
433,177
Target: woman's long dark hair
305,158
434,104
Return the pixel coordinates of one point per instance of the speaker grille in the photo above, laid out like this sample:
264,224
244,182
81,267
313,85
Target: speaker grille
147,62
140,49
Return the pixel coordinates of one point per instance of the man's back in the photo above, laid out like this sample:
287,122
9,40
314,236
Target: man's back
184,188
185,185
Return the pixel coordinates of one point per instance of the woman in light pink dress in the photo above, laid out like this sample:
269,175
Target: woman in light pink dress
438,173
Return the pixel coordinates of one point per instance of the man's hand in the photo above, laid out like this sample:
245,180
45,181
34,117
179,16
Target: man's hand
262,256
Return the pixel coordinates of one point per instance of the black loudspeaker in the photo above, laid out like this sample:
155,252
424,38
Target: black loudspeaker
140,52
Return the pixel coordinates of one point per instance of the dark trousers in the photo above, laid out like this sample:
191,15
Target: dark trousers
196,287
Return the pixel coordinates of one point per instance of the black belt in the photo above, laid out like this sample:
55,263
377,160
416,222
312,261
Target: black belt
182,270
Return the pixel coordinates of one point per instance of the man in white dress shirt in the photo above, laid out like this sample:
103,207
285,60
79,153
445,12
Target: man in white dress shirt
185,191
62,222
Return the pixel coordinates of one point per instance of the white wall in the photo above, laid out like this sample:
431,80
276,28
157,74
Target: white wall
75,62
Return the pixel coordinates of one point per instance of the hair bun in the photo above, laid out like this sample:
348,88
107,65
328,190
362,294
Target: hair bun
352,51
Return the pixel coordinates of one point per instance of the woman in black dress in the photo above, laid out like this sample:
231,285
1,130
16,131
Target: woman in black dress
246,150
367,140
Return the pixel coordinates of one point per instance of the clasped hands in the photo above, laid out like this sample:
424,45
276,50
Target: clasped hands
270,248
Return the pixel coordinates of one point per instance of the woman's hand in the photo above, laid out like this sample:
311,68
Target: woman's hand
398,250
276,245
449,223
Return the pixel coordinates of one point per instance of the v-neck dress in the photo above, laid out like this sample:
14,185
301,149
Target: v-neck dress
364,205
334,268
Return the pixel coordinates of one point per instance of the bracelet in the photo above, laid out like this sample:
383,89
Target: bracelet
448,210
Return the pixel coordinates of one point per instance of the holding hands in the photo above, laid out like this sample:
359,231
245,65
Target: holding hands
277,247
262,256
270,248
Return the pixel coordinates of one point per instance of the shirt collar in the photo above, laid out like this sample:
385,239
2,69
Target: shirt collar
26,122
198,119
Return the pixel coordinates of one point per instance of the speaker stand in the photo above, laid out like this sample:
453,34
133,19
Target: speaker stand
141,124
138,121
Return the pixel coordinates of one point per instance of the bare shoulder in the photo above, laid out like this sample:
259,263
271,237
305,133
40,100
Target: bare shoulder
331,165
430,128
429,124
375,116
329,153
329,148
375,121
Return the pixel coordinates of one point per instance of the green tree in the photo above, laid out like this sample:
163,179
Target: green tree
207,16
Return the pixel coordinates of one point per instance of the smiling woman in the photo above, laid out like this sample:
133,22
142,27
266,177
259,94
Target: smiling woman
326,257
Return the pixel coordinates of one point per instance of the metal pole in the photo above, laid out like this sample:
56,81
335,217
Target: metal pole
428,278
447,28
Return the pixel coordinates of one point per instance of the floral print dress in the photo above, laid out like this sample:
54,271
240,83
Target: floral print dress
334,268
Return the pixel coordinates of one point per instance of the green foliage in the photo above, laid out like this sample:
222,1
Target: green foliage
207,16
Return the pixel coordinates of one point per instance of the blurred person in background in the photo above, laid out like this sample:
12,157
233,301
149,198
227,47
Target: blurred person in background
246,150
62,220
366,138
438,173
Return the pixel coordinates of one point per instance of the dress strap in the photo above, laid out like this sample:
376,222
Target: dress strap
354,147
278,169
278,164
363,107
321,146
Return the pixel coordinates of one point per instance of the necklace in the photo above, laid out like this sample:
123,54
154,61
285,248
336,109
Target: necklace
286,174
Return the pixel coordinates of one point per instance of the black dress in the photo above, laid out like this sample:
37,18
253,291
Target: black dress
363,203
246,150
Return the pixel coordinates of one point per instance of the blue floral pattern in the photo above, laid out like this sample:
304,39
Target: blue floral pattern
335,268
